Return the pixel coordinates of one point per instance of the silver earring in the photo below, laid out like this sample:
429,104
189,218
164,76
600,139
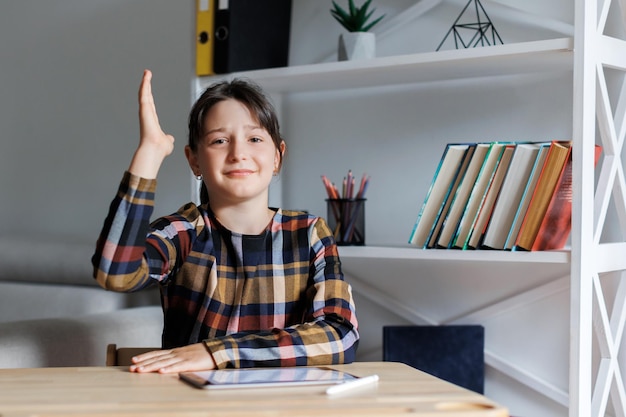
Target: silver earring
199,177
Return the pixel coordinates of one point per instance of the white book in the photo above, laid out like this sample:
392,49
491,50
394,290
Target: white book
510,196
527,194
438,192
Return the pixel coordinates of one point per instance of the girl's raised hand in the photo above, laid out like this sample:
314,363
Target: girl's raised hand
154,144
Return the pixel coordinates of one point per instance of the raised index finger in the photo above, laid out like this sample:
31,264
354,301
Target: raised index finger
149,121
145,88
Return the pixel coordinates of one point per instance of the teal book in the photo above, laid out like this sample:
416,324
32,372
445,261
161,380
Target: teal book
439,190
461,196
485,212
477,195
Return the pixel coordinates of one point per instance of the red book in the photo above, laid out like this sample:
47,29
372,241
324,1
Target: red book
557,222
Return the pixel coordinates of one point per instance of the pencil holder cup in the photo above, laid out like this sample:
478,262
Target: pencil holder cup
346,218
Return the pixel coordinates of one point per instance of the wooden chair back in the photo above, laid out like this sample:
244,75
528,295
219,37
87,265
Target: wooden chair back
122,356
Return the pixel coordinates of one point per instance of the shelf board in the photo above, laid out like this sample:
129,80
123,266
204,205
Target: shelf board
509,59
409,253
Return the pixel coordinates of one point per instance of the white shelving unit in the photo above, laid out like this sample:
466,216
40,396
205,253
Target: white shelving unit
577,270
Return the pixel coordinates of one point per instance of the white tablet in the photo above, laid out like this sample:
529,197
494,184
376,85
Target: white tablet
265,377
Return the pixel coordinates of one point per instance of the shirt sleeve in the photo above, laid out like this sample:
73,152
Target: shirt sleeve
328,334
131,253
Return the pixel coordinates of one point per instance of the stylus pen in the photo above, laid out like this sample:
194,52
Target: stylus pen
348,386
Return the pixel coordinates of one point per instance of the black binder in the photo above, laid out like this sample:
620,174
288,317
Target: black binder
251,34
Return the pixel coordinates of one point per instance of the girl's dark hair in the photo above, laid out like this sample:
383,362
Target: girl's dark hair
247,93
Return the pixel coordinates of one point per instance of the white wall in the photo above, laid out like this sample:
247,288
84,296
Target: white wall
68,106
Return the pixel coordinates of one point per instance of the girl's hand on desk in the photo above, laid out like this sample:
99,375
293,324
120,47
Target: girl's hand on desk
187,358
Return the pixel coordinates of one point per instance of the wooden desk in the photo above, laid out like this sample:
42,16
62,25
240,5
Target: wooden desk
102,391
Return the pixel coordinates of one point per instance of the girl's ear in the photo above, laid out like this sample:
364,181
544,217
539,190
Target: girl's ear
278,158
193,161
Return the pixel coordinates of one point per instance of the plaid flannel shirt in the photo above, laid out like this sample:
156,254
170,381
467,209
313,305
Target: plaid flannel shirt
276,299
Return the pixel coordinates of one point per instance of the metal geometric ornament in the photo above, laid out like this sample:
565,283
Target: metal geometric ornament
479,32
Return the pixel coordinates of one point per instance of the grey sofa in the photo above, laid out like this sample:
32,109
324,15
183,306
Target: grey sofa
53,313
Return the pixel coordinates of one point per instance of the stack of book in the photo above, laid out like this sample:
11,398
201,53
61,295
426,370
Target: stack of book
499,195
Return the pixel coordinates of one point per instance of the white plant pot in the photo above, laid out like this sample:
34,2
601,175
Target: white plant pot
356,45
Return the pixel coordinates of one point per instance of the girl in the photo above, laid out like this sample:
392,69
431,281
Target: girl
242,285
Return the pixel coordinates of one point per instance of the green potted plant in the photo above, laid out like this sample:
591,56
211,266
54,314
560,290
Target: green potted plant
358,43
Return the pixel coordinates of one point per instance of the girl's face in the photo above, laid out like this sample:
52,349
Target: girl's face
236,156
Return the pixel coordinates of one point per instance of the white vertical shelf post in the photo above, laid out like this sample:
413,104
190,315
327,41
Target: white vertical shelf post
581,268
593,51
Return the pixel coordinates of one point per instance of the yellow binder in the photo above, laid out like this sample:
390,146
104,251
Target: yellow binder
205,21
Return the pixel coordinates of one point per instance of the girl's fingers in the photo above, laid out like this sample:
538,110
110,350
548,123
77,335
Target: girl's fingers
147,109
187,358
145,88
149,355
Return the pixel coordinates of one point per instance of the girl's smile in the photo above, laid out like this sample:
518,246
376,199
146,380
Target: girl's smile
239,172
